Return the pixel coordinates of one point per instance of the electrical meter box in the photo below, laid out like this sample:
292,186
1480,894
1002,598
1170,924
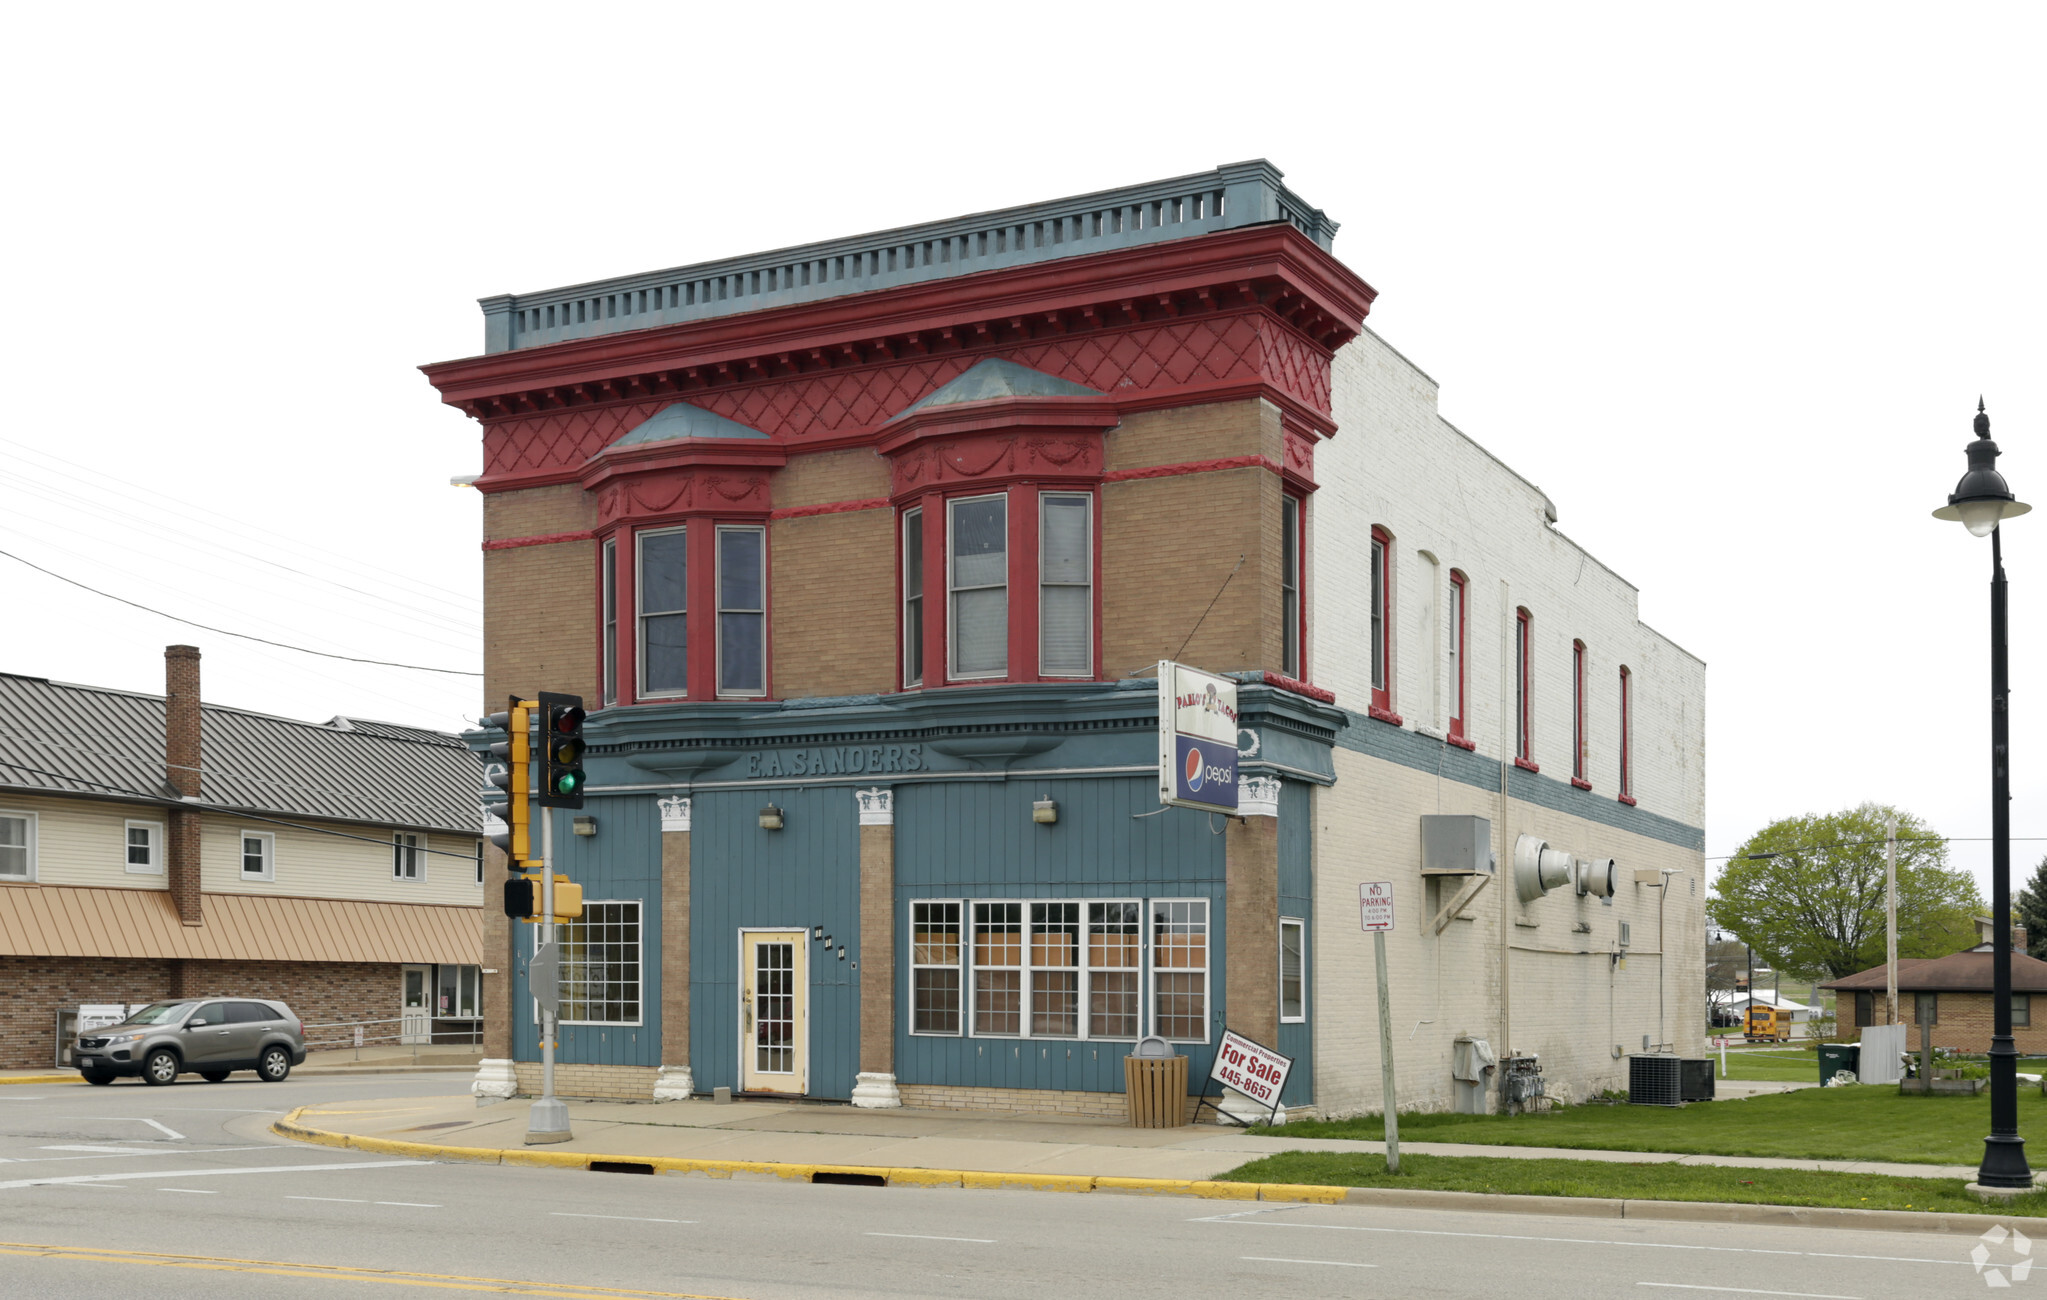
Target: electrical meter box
1456,845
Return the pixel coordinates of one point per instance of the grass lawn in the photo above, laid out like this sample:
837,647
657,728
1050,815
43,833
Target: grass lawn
1642,1182
1855,1123
1776,1065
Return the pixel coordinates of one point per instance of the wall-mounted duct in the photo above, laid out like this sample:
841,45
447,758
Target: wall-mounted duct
1538,868
1596,876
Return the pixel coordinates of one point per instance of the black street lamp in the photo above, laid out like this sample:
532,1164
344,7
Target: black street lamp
1980,501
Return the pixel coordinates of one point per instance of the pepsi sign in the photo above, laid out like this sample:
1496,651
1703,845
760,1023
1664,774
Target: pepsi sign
1197,739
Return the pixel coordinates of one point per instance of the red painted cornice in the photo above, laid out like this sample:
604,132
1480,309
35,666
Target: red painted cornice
1003,414
1271,268
682,453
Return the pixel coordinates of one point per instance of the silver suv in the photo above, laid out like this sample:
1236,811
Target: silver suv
205,1036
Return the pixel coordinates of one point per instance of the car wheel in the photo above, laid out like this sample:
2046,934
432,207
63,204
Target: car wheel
97,1078
160,1067
274,1066
213,1076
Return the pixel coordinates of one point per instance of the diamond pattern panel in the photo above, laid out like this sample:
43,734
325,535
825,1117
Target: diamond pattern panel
1166,354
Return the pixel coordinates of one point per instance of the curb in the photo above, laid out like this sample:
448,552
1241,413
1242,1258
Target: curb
1387,1197
41,1080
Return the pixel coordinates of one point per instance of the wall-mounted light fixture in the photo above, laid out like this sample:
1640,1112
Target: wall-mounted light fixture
1045,811
842,952
586,825
771,818
816,932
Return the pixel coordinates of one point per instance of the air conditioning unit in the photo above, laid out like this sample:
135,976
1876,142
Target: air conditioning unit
1456,845
1698,1079
1655,1080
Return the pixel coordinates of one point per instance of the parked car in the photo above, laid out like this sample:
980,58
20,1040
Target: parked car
210,1037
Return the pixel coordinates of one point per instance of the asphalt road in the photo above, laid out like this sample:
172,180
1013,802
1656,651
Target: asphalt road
179,1192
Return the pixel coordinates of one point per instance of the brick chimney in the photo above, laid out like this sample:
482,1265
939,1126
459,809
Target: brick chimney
181,759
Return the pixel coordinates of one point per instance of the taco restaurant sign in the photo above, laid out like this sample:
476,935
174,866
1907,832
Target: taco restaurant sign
1197,739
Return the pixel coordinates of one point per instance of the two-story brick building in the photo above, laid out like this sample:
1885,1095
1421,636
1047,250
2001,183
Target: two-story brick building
865,552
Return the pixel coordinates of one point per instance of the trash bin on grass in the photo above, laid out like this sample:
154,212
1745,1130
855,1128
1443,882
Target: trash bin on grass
1835,1057
1155,1084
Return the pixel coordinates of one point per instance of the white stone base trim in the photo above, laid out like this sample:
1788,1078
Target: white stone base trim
876,1092
674,1083
495,1080
1245,1111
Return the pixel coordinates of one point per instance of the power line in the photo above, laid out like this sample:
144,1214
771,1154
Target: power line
324,654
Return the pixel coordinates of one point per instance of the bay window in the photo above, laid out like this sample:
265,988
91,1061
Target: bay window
1065,585
977,563
742,611
663,605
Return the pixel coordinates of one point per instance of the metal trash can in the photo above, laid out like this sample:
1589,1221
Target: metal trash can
1839,1056
1155,1083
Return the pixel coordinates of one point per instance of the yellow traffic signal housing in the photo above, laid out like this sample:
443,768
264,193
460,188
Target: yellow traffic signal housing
522,899
568,899
515,754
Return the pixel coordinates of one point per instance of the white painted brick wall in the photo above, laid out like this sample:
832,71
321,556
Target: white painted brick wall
1396,463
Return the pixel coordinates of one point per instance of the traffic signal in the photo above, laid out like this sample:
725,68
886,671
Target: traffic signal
561,758
523,897
514,776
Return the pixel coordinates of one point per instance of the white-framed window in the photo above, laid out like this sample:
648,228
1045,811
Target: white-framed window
458,993
1058,968
1293,970
1066,592
405,863
143,849
742,610
977,586
935,968
913,603
607,603
600,964
259,855
17,845
661,598
1179,956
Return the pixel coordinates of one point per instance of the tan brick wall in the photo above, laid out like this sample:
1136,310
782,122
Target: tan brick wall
878,947
1963,1021
856,474
538,512
834,604
596,1082
1252,905
675,947
497,955
540,621
1172,437
1155,584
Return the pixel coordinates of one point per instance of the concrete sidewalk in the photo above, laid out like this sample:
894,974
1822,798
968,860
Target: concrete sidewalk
809,1133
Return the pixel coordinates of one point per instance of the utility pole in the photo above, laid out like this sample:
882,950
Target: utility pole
1891,917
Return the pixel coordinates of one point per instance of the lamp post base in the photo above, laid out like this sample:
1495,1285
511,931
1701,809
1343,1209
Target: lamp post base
2004,1166
549,1122
1998,1194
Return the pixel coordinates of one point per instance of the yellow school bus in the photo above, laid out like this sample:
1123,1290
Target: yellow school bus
1767,1025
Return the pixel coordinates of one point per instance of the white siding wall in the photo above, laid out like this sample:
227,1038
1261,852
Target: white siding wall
85,842
311,865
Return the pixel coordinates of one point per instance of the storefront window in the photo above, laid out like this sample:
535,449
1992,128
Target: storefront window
935,968
1179,945
1054,969
458,995
998,969
1113,954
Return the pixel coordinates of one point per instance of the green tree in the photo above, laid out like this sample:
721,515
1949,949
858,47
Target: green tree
2030,908
1809,892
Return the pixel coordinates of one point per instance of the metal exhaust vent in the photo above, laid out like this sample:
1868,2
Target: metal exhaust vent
1538,868
1596,876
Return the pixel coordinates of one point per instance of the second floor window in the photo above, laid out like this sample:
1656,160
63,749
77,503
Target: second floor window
742,611
1524,706
607,600
1290,587
1578,710
977,557
404,857
1457,614
1066,596
1627,734
663,612
913,598
1382,620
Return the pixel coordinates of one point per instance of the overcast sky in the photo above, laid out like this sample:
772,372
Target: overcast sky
1725,281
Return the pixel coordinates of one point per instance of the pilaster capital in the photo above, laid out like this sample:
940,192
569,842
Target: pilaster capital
877,806
1257,796
674,814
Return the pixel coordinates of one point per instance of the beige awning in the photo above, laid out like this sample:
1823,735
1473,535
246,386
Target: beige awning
66,921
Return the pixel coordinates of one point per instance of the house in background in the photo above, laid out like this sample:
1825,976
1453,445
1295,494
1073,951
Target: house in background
1953,994
153,847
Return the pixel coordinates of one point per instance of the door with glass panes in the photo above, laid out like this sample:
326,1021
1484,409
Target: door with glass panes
774,1011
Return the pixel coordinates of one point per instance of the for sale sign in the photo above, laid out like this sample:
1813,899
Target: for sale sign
1257,1072
1197,739
1375,905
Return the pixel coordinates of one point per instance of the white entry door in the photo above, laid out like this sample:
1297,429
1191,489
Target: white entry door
415,1015
774,1011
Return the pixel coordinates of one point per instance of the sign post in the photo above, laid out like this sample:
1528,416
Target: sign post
1375,915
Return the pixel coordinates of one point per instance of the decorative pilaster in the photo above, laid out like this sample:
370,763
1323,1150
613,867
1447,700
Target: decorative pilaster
1251,918
496,1080
875,1086
676,1083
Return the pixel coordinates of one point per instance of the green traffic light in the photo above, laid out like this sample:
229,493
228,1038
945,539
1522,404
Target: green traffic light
568,783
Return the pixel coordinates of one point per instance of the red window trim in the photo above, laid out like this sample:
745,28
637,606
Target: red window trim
1301,670
1382,696
1460,584
702,592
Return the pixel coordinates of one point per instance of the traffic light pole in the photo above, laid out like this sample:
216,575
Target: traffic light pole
549,1121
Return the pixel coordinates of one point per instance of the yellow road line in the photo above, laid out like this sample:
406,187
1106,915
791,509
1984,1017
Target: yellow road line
340,1273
